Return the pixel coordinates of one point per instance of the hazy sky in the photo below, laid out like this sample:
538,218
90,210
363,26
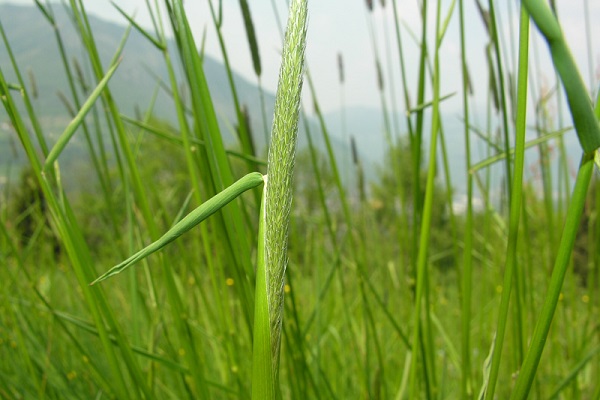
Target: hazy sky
342,26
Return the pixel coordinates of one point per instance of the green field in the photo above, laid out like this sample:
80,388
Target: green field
187,250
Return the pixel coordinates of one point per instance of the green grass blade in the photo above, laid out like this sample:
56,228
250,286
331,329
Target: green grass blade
251,36
586,124
574,373
277,200
158,44
421,107
69,131
202,212
499,86
243,129
165,134
563,258
467,270
421,313
531,143
515,204
263,368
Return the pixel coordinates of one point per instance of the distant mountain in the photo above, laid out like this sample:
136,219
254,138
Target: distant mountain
35,49
365,125
368,128
34,45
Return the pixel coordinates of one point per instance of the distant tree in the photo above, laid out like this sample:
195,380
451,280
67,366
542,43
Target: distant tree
392,200
29,209
393,191
306,187
586,252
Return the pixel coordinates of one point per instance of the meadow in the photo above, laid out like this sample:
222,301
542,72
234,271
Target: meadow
186,265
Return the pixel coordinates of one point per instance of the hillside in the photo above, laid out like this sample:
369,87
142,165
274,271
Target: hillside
35,49
33,43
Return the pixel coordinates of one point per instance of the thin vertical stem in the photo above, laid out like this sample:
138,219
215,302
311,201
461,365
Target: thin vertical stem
466,286
515,203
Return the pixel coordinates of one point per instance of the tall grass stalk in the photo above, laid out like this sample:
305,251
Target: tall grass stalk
244,134
532,359
515,203
276,208
421,310
586,124
500,89
467,271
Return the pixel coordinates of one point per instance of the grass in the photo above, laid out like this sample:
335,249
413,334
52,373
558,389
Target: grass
315,286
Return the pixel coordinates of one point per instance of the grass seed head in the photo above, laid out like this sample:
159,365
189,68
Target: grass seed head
278,200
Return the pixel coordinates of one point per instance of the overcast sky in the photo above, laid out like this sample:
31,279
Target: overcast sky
342,26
